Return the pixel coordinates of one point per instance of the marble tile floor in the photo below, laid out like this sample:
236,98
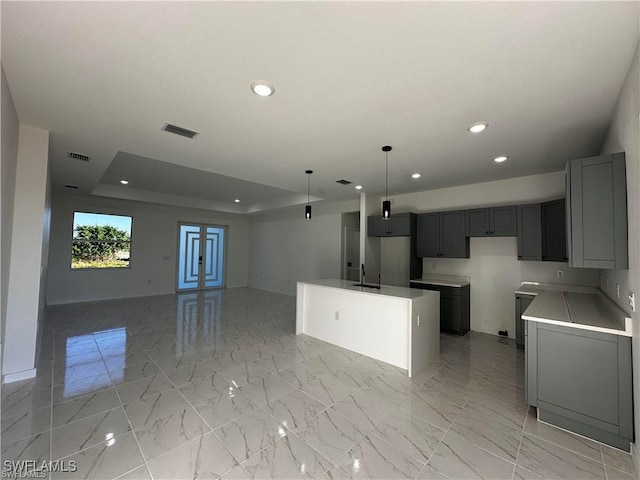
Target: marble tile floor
217,385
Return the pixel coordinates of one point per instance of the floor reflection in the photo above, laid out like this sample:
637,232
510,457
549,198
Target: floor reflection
198,318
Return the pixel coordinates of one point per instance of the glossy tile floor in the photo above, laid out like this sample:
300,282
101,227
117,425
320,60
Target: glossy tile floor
217,384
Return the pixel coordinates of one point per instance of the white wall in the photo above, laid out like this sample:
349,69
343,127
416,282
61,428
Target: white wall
624,135
493,265
28,253
284,251
153,250
9,142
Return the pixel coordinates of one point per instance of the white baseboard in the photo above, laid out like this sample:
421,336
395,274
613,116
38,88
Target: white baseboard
17,376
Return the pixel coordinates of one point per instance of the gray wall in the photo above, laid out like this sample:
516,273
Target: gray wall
10,129
153,250
624,135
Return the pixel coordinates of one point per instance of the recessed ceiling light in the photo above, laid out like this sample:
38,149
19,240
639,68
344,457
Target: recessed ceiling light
124,182
237,200
477,127
500,159
416,175
263,89
358,187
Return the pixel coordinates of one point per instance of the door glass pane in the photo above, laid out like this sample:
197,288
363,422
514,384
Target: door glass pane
189,256
214,258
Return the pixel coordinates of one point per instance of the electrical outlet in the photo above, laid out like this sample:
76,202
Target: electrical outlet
418,320
337,315
560,274
618,290
632,301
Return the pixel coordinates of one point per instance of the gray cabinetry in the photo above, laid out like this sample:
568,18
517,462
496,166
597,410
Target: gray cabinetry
580,380
492,222
522,302
399,225
554,231
529,232
454,306
442,234
597,212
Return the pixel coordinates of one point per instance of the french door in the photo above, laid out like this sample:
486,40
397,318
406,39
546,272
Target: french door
200,256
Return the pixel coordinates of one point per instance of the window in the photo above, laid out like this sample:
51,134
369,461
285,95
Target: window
100,241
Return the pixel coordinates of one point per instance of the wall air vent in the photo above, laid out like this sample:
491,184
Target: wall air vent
78,156
343,182
183,132
74,187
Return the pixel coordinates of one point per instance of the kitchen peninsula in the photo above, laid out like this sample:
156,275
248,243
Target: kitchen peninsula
397,325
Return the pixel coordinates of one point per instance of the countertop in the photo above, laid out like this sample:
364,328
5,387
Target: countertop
444,280
581,307
385,290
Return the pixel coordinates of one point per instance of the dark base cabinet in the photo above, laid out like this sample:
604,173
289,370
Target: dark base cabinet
581,381
454,307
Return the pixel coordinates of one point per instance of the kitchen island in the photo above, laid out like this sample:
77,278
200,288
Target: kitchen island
396,325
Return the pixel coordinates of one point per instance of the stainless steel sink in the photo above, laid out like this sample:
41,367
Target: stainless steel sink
366,285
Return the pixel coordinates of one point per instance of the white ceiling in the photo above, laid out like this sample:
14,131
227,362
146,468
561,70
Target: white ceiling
104,78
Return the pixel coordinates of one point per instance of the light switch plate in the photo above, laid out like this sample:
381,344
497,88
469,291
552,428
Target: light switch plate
632,301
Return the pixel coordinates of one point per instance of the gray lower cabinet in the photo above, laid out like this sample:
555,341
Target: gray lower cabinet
454,306
442,234
522,302
492,222
399,225
581,381
596,208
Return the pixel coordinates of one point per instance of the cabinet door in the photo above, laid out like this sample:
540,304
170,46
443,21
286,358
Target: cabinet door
454,242
598,212
478,222
503,221
428,235
529,232
450,313
554,231
401,225
522,302
378,227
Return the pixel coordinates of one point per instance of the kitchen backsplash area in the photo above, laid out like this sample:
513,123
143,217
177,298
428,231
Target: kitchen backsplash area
496,272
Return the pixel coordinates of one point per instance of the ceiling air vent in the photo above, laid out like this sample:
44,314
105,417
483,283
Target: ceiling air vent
343,182
183,132
78,156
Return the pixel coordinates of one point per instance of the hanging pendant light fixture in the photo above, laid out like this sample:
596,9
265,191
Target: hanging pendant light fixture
386,204
307,209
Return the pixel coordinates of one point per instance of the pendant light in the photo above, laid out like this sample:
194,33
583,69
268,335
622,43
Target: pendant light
307,209
386,204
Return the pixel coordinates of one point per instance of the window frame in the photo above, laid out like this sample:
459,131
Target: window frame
73,239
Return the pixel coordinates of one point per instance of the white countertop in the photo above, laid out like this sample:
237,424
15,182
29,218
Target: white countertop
385,290
581,307
444,280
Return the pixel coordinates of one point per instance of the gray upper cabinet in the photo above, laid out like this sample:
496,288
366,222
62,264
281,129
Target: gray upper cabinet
596,212
399,225
442,234
529,232
492,222
554,231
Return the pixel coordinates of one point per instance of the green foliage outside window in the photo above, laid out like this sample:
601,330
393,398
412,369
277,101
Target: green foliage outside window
100,246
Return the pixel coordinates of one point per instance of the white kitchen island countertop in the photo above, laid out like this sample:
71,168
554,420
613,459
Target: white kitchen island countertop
385,290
